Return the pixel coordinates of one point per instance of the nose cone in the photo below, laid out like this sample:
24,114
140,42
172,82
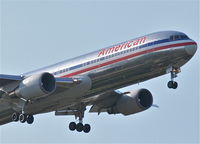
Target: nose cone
191,49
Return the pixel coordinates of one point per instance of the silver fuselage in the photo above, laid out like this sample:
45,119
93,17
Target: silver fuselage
115,67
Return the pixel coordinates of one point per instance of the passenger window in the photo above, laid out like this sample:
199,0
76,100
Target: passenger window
102,58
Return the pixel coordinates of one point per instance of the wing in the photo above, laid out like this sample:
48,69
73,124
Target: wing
60,82
5,113
100,103
104,102
6,79
6,110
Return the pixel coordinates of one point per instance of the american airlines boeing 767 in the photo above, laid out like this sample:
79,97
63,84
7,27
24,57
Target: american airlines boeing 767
92,80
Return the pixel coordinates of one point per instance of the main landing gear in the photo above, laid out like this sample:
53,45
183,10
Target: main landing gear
80,126
22,118
173,84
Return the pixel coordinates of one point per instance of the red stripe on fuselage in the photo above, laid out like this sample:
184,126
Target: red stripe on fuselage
128,57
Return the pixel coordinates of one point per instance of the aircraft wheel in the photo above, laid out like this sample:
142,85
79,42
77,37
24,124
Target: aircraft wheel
86,128
72,126
170,84
175,85
29,119
22,118
15,117
79,127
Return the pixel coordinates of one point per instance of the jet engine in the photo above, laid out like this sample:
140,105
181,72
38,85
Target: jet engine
132,102
36,86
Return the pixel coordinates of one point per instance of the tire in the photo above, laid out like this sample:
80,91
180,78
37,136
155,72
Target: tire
15,117
175,85
79,127
29,119
86,128
72,126
22,118
170,84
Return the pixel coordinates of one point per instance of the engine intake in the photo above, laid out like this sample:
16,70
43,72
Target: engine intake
133,102
47,82
36,86
144,98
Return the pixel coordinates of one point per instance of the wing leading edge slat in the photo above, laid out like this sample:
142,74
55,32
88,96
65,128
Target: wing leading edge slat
6,79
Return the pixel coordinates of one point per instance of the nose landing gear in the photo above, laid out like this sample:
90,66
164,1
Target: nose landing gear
173,84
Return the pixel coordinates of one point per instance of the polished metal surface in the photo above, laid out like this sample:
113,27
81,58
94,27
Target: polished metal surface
113,73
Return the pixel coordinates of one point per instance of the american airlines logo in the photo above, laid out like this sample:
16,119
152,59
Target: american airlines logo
122,46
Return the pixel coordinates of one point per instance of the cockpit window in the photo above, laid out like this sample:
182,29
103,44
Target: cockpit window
184,37
178,37
171,38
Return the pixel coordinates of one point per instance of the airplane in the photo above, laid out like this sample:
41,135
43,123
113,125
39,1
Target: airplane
68,87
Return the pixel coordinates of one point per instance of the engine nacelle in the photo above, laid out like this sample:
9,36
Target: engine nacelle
36,86
133,102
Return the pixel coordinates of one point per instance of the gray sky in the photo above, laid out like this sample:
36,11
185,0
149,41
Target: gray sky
36,33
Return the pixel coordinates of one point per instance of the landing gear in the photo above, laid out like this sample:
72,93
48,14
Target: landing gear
172,84
15,117
22,118
29,119
72,126
79,127
173,71
86,128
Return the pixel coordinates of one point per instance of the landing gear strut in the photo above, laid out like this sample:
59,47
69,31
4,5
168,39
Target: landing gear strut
173,84
79,126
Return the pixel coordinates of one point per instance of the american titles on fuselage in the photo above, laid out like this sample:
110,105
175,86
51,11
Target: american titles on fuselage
122,46
120,49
